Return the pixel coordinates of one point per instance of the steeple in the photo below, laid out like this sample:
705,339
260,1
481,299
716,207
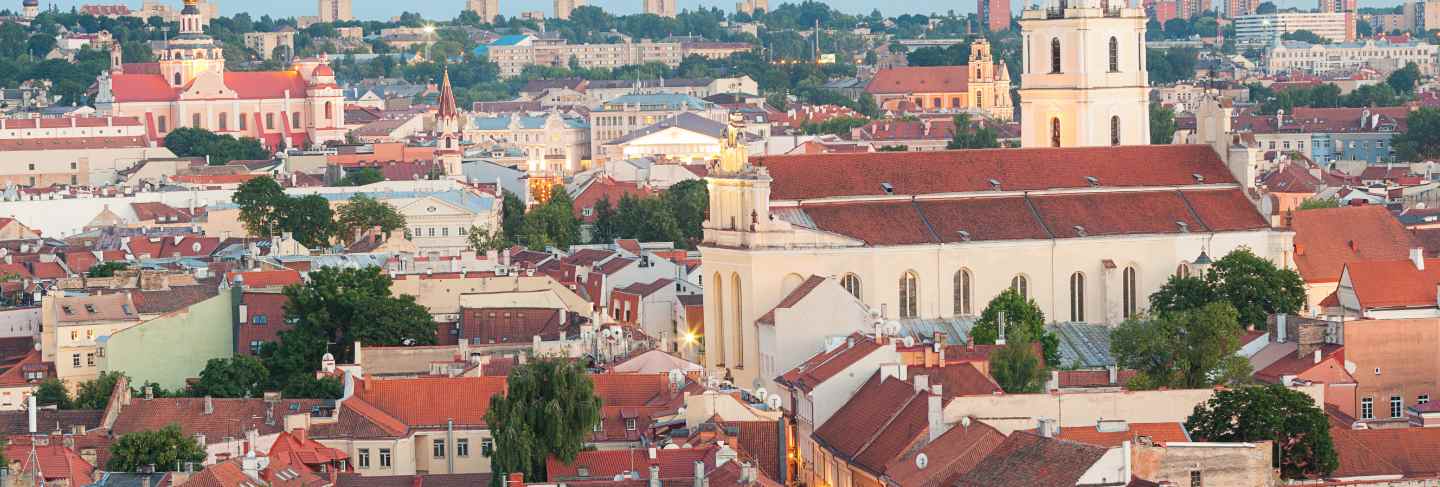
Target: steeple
447,116
191,22
733,154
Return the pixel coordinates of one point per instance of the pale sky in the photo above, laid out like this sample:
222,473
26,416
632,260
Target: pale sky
446,9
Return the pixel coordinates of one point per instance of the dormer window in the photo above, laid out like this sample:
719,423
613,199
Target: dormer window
67,309
90,308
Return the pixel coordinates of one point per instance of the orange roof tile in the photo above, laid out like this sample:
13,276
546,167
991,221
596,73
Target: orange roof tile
1394,283
1159,432
429,402
1327,239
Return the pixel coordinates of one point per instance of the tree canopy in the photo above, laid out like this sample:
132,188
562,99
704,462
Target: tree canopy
1421,139
216,148
1162,124
1016,367
362,177
548,409
238,376
1298,429
675,216
267,211
970,136
363,213
1189,349
167,449
1254,286
1022,317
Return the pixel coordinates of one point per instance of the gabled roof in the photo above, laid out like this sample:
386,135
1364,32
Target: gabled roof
1026,459
53,462
1407,452
877,424
684,121
644,290
1394,283
822,366
961,379
792,299
1327,239
1325,370
229,417
1160,433
949,456
429,402
267,278
674,463
920,79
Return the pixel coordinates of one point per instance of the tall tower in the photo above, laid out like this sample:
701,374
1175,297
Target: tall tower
994,14
663,8
30,9
564,7
485,9
192,53
333,10
1083,82
447,128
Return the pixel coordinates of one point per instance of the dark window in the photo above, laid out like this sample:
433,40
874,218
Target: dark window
364,458
1114,130
177,79
270,121
160,124
1055,132
195,120
1055,55
260,319
1127,281
1114,55
1077,297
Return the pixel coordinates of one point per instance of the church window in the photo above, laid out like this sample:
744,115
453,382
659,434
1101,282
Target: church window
955,102
195,120
270,121
1114,55
851,283
223,122
739,321
328,106
1182,271
1127,292
177,79
719,290
294,120
1055,132
241,119
1021,285
937,103
160,124
963,280
1114,130
1077,297
979,98
1055,55
909,286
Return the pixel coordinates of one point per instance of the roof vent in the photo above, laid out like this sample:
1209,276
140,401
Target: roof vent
887,188
1094,181
1184,227
1199,179
1079,230
964,235
995,184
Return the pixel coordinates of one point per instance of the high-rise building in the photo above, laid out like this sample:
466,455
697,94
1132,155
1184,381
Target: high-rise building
31,9
1083,82
994,14
1236,8
752,6
334,10
485,9
1337,5
564,7
663,8
1259,30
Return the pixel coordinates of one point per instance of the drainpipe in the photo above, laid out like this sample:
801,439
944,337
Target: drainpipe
449,440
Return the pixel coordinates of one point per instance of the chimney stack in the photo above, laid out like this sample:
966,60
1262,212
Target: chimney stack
921,382
699,473
1047,427
1417,257
209,405
654,475
935,412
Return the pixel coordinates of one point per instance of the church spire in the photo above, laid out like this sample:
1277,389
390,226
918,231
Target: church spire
447,110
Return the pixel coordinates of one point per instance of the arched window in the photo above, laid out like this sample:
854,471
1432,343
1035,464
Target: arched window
1127,292
1114,130
1021,285
717,289
1077,297
1114,55
177,78
328,106
851,283
937,103
909,288
1055,132
1055,55
223,122
1182,271
962,292
738,316
955,102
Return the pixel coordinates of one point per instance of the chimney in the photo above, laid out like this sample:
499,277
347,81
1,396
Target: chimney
1114,371
1317,355
747,473
33,408
1417,257
209,405
251,465
1047,427
921,382
699,473
1281,329
935,412
654,475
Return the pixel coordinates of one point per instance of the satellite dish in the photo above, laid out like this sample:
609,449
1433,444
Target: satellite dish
774,402
909,341
965,422
892,328
874,313
761,393
922,461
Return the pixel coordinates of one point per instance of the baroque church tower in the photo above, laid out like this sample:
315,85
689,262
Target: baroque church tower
1083,82
448,128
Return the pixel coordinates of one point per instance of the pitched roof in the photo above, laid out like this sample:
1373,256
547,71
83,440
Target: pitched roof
961,379
55,462
267,278
351,479
1026,459
175,298
1408,452
674,463
877,424
229,417
949,456
429,402
1327,239
920,79
1394,283
1096,435
1306,367
792,299
822,366
17,422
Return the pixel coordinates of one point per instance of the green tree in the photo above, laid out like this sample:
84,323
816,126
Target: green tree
1162,124
339,307
1188,349
95,393
1021,317
309,220
968,136
261,201
1305,36
1319,203
52,392
1255,286
512,216
1403,80
363,213
1266,8
688,201
482,239
1421,139
216,148
362,177
106,269
551,224
548,409
238,376
1016,368
165,449
604,230
311,387
1180,294
1297,428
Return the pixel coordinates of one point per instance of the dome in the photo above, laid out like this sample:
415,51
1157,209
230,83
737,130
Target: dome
324,70
31,3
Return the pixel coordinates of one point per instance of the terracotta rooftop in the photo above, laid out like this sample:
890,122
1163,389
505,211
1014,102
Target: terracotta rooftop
822,366
1327,239
1026,459
917,79
1160,433
1406,452
881,421
429,402
951,455
1394,283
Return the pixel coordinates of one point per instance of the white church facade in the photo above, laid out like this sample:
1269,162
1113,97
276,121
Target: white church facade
1087,230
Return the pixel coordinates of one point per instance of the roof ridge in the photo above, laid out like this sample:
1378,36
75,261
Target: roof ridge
1035,212
914,205
1191,208
914,393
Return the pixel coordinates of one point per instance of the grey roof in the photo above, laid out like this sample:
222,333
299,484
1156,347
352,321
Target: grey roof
658,101
687,121
1083,344
511,179
128,479
502,122
955,328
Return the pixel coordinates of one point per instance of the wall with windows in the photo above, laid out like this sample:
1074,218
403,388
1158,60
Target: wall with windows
260,320
1393,359
175,346
802,330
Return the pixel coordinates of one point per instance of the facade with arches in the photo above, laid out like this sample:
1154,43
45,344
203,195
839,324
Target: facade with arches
1083,81
1080,231
188,86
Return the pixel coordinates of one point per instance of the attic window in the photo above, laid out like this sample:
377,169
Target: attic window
1198,177
1079,230
995,184
887,188
1184,227
1093,181
67,309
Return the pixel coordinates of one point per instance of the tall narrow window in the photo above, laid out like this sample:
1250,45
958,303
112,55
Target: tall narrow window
1397,406
962,292
1367,408
195,120
328,107
161,125
851,283
1055,55
1077,297
738,315
718,285
1114,130
1182,271
1114,55
176,79
1055,132
909,283
295,121
1021,285
1127,293
223,122
979,98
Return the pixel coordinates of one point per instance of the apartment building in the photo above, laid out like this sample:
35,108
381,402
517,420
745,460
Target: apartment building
74,324
1260,30
1349,57
623,115
264,43
514,53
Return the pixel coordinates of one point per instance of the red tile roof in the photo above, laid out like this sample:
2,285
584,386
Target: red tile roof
822,366
951,455
587,257
674,463
792,299
55,463
615,265
916,173
961,379
1394,283
882,420
920,79
247,85
1329,370
1094,378
1026,459
1161,433
51,143
270,278
229,418
429,402
642,289
1408,452
1327,239
637,397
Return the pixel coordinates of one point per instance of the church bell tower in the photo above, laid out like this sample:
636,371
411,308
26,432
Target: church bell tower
1083,81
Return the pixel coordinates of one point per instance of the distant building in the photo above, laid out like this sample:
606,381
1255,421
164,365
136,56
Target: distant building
1237,8
265,43
994,14
40,152
564,7
752,6
663,8
331,11
485,9
513,53
1260,30
982,86
556,143
623,115
1348,58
